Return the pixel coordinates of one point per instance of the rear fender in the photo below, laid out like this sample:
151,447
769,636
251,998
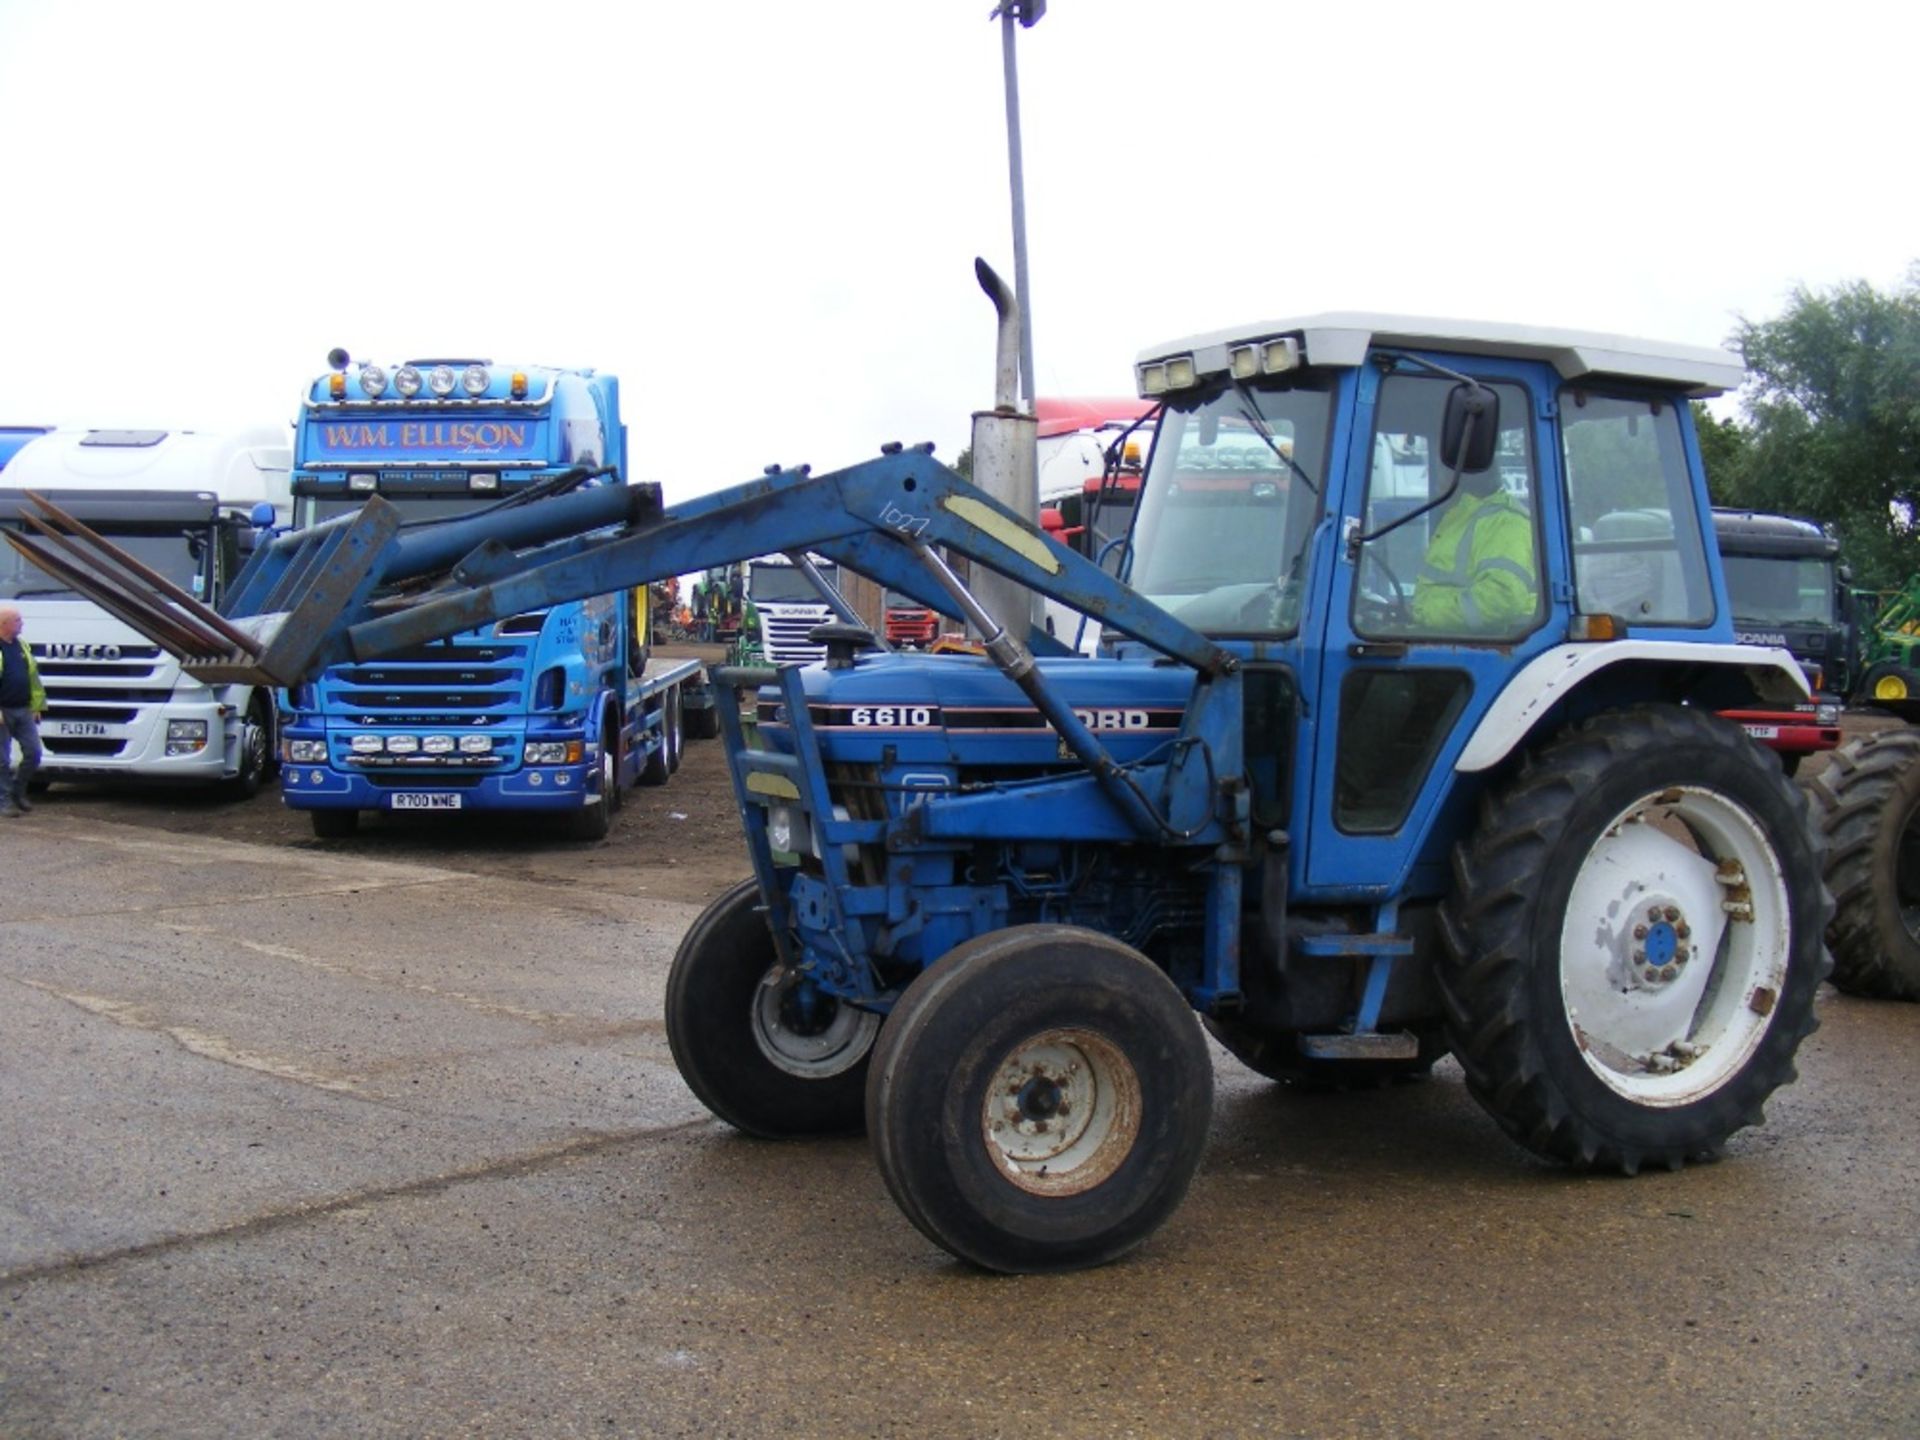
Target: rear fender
1640,669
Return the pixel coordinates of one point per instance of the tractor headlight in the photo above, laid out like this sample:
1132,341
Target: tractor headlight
476,380
407,381
373,381
780,829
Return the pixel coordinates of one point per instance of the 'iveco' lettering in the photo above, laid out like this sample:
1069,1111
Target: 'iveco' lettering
68,650
1113,719
464,436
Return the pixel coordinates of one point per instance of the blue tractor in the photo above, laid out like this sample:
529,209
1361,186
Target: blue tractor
1401,742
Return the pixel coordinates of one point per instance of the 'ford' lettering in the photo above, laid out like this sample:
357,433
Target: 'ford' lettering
1112,719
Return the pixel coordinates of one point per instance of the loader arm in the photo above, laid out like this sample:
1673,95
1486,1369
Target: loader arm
352,590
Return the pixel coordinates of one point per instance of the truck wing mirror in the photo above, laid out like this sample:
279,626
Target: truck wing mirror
1052,521
1470,429
262,515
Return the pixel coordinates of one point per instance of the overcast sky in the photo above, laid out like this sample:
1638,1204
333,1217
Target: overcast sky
762,215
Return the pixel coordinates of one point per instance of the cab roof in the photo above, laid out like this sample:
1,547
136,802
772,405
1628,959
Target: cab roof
1342,338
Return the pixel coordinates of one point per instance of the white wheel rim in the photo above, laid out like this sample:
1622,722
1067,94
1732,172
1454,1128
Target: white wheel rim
1062,1111
1674,947
812,1041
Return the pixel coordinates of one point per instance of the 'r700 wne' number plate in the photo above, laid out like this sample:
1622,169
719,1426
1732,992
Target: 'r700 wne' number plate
424,800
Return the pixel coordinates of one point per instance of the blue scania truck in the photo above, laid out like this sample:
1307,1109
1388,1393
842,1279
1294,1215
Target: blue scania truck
558,709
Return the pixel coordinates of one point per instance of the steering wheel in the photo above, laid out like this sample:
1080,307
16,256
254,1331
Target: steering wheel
1381,611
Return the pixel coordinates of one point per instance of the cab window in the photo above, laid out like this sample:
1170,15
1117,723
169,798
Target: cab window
1637,546
1443,558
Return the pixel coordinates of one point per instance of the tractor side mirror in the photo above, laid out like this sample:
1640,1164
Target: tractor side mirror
1470,429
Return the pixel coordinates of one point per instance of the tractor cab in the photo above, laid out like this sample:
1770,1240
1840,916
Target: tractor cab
1409,528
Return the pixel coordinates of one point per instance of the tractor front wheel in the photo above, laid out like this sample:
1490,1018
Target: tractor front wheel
1039,1099
1867,802
758,1044
1634,941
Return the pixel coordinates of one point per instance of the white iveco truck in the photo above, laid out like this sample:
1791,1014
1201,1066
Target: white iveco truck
188,506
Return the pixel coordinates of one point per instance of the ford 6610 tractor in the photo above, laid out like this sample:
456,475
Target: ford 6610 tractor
1410,748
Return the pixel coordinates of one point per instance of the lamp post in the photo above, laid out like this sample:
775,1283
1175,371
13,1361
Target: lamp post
1028,13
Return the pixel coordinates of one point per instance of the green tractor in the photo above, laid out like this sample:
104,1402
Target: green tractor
1889,635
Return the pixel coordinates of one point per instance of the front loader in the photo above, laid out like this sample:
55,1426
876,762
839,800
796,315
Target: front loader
1357,780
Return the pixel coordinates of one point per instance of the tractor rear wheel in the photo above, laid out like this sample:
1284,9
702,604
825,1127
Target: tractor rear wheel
1892,687
1039,1099
1634,940
1867,802
759,1046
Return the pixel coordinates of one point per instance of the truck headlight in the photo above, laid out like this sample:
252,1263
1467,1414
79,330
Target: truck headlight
367,744
407,381
441,380
403,744
186,737
441,744
306,752
475,380
476,744
1826,714
373,380
553,752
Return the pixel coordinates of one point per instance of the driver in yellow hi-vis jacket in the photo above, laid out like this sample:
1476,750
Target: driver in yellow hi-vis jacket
1479,575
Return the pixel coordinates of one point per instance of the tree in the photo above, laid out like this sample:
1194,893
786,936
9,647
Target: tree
1832,404
1724,447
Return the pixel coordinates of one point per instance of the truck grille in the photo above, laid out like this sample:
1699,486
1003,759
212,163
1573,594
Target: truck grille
439,683
786,638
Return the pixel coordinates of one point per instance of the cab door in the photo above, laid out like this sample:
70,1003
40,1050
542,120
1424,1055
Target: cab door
1438,596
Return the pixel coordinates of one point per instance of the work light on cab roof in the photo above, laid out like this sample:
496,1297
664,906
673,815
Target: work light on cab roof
422,381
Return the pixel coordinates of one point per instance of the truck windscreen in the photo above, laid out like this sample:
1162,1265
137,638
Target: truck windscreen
177,554
784,585
1780,589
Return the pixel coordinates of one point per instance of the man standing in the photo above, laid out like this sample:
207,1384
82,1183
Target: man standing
22,698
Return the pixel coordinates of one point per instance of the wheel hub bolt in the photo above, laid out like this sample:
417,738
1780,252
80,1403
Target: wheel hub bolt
1673,912
1639,932
1652,974
1669,972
